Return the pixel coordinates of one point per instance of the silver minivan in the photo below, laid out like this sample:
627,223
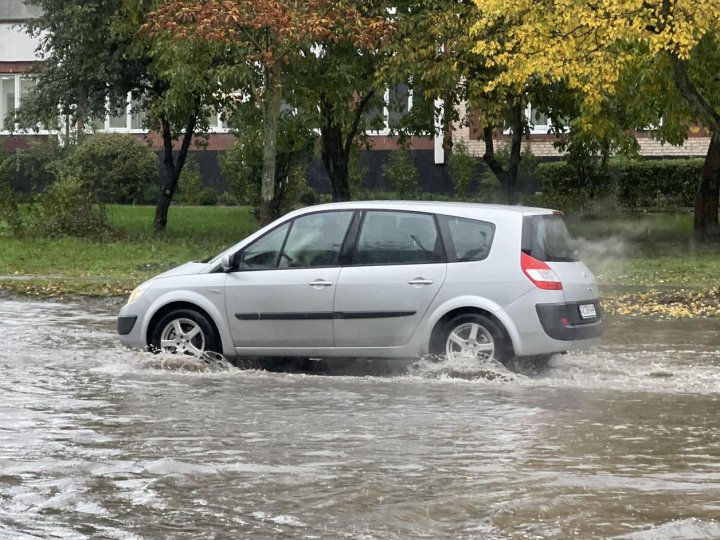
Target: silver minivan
378,280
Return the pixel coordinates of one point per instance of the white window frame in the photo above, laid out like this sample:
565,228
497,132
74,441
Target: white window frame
535,129
539,129
385,131
18,77
220,128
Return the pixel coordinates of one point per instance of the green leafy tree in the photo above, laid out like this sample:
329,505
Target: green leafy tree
659,54
271,36
335,85
93,55
434,51
242,164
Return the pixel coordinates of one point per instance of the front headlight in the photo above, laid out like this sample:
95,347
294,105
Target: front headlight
139,291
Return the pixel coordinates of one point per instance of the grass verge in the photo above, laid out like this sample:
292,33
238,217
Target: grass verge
647,265
60,267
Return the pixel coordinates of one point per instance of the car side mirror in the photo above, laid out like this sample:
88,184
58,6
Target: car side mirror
226,263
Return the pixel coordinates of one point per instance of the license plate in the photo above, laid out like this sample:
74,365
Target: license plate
587,311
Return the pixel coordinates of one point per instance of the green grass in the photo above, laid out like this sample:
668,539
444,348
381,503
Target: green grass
636,251
657,250
88,267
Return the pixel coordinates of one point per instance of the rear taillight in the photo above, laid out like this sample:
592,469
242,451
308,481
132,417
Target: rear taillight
539,273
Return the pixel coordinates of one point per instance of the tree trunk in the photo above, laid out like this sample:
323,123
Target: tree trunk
515,147
708,194
507,178
272,102
173,167
333,155
706,200
336,152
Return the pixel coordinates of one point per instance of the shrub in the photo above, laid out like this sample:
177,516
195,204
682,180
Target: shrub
356,172
241,165
291,191
527,169
563,187
190,186
42,161
67,208
227,199
661,184
9,212
400,170
117,167
461,169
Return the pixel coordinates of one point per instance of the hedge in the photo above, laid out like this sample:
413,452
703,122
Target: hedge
667,183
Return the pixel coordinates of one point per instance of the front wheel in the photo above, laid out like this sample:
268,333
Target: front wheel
472,336
185,331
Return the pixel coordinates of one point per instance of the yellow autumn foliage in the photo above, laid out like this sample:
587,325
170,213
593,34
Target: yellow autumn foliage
585,44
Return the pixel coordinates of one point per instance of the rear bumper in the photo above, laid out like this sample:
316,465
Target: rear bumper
563,321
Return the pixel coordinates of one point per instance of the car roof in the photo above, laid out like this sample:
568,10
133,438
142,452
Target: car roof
438,207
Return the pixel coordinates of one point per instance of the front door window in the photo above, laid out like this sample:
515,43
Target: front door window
315,240
264,253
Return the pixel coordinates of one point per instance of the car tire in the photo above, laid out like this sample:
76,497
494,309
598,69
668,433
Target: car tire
185,331
471,334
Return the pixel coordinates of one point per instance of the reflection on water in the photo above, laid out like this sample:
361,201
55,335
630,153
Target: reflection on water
97,442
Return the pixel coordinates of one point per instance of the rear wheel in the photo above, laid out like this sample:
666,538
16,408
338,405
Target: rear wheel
185,331
471,336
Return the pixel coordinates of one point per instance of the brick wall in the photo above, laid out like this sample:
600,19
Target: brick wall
542,145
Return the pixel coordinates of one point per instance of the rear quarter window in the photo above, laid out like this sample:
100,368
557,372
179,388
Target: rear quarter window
467,240
547,239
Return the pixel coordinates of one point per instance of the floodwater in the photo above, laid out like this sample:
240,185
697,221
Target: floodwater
98,442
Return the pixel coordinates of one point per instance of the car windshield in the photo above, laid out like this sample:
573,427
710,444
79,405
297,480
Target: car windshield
546,238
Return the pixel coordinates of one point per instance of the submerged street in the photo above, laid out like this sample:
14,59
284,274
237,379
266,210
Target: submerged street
99,442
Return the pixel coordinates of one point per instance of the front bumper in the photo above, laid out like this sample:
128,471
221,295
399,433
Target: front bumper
130,324
564,322
126,324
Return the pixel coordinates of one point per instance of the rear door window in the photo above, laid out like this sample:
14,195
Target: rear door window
398,238
467,239
546,238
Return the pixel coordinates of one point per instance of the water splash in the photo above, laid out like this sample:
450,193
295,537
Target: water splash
468,367
209,361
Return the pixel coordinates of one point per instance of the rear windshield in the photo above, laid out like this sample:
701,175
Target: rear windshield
546,238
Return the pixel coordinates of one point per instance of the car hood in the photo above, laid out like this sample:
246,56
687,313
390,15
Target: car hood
184,269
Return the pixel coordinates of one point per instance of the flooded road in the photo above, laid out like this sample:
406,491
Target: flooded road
620,442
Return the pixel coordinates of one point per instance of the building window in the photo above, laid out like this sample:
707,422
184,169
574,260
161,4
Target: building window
138,116
13,89
401,108
397,102
539,122
7,96
133,119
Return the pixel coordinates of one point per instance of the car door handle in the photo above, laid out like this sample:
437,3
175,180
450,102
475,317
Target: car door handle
318,283
420,281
